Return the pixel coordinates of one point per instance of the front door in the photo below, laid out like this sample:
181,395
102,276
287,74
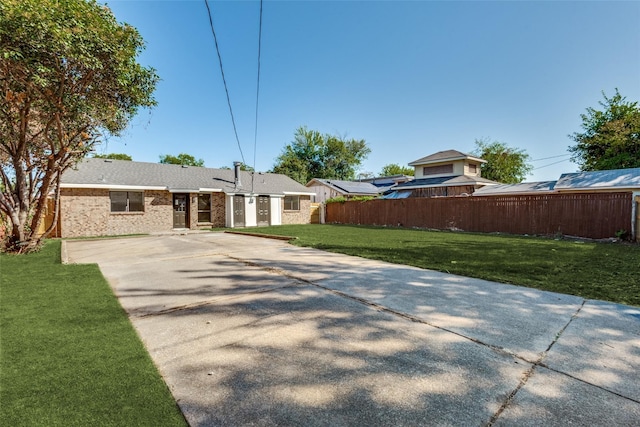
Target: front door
180,210
238,211
262,210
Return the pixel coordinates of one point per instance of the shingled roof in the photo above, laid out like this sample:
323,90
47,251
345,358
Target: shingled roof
444,181
352,188
600,180
445,156
122,174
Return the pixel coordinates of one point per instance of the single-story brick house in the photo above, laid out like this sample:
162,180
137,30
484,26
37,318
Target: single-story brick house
113,197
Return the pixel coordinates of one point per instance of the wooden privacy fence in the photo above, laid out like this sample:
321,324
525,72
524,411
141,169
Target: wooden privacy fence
592,215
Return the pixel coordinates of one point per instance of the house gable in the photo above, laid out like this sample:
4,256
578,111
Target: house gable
447,163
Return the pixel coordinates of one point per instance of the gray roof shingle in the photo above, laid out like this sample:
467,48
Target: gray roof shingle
442,156
609,179
443,181
101,173
521,188
349,187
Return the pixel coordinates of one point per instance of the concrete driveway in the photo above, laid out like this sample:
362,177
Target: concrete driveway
252,331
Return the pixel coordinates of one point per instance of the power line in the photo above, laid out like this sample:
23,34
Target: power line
552,157
255,133
554,163
224,81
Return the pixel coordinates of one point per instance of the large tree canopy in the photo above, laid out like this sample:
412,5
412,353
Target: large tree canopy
610,138
395,169
504,164
313,155
181,159
68,74
114,156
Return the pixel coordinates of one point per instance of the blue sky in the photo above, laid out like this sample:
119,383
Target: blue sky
409,77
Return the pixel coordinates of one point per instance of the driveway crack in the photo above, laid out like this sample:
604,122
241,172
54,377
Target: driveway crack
531,370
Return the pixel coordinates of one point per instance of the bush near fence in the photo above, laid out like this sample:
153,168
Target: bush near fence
590,215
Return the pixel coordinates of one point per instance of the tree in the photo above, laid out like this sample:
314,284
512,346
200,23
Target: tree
396,169
313,155
243,167
181,159
504,164
68,74
113,156
610,138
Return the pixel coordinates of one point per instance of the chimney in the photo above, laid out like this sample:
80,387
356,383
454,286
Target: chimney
236,170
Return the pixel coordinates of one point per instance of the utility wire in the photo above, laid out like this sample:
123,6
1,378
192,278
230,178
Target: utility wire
224,81
552,157
554,163
255,133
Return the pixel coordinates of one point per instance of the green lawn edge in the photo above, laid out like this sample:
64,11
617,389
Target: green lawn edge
68,353
592,270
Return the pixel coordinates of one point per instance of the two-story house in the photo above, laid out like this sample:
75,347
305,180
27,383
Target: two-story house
445,173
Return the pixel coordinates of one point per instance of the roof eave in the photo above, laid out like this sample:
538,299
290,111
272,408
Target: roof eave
113,186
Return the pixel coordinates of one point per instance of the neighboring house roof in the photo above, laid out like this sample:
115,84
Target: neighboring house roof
617,179
121,174
521,188
445,156
444,181
348,188
387,181
600,180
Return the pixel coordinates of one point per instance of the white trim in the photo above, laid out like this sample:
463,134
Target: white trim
182,190
297,193
210,190
112,187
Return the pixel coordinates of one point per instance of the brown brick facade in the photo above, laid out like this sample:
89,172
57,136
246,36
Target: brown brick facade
87,212
217,212
303,216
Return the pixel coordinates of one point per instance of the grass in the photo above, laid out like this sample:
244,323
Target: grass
68,354
604,271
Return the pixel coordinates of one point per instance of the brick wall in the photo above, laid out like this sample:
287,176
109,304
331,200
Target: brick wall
87,212
217,211
303,216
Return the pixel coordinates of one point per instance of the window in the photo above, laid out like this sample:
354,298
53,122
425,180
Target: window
204,207
291,203
473,169
436,170
127,201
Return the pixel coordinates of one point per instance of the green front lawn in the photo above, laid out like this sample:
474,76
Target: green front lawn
604,271
68,354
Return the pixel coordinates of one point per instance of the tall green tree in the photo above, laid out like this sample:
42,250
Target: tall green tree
314,155
610,138
181,159
395,169
113,156
504,164
68,74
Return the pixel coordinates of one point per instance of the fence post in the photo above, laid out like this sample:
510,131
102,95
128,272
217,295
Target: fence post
635,216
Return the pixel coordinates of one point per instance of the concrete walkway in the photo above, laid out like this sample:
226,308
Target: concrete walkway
251,331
